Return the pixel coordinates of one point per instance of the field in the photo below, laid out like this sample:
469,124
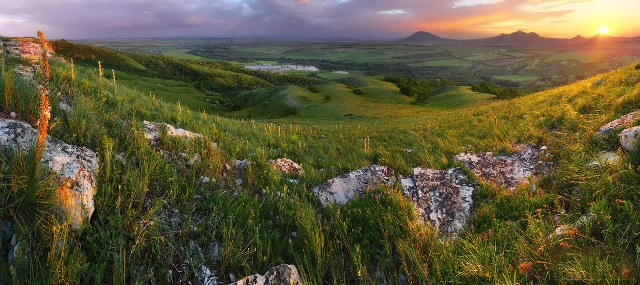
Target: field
464,64
158,222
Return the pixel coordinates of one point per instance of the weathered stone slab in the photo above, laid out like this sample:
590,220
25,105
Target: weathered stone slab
508,171
287,166
442,197
75,166
346,188
623,121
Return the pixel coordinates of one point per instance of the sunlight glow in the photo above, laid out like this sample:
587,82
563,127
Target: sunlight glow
603,30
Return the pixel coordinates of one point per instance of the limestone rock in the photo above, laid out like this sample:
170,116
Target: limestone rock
279,275
287,166
629,138
606,158
507,170
623,121
75,166
345,188
152,131
442,197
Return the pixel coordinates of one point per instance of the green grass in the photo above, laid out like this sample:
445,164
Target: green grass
517,78
458,97
156,223
579,56
455,62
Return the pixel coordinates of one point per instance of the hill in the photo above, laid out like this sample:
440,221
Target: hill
171,209
424,37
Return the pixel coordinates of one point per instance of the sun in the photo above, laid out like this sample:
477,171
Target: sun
603,30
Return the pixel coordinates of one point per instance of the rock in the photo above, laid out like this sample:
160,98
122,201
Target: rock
629,138
442,197
205,179
606,158
507,170
64,107
152,131
206,277
241,164
287,166
623,121
76,168
279,275
345,188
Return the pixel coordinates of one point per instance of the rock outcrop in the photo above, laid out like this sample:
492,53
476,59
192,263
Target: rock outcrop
629,138
345,188
623,121
152,131
507,170
442,197
280,275
287,166
606,158
76,168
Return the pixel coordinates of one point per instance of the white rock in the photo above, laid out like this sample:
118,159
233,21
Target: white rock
152,131
287,166
507,170
64,107
75,166
623,121
345,188
441,197
281,274
629,138
606,158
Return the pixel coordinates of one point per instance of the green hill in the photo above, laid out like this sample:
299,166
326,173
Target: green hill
157,222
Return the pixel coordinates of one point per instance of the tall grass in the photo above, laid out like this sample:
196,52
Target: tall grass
158,222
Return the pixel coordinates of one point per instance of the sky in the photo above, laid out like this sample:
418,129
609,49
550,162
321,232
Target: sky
358,19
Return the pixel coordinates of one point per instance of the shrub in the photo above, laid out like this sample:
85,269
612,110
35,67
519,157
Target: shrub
638,66
314,88
327,98
358,91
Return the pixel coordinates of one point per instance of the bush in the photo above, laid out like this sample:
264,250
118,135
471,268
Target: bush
327,98
314,88
358,91
638,66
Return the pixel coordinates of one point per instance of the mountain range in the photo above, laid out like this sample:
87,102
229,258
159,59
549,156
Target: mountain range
516,38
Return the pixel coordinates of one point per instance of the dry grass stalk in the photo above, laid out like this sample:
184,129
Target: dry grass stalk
100,70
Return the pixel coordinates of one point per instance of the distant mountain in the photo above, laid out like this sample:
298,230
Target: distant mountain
424,37
519,38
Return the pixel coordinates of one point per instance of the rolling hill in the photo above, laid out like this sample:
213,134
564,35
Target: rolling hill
176,209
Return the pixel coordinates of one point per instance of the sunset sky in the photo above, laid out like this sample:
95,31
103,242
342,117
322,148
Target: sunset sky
365,19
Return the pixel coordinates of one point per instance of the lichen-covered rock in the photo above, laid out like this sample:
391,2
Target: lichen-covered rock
623,121
280,275
629,138
345,188
152,131
606,158
75,166
287,166
442,197
508,170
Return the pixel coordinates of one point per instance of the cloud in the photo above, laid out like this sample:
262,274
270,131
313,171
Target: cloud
303,18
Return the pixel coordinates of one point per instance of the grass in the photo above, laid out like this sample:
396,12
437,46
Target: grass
517,78
157,223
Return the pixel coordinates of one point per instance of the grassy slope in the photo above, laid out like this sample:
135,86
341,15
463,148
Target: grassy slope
254,226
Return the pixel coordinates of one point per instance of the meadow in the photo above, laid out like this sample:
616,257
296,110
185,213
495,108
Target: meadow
158,222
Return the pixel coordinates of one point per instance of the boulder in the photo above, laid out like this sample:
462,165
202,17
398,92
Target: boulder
152,131
76,168
623,121
507,171
345,188
606,158
279,275
629,138
287,166
441,197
